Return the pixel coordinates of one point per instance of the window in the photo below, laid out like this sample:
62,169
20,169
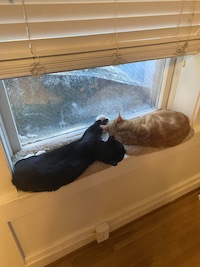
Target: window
65,102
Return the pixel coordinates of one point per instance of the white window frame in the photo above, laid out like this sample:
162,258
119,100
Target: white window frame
9,134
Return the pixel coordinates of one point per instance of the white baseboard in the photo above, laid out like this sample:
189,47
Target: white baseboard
70,243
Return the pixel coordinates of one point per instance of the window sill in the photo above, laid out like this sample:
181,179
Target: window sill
64,139
99,172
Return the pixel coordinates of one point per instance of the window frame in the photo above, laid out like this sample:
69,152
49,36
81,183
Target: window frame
7,123
9,134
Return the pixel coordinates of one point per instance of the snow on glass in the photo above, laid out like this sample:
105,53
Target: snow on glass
59,103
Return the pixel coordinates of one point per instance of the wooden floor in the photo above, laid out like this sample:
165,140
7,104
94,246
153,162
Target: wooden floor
167,237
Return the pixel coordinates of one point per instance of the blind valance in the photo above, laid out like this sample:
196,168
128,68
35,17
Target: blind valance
58,35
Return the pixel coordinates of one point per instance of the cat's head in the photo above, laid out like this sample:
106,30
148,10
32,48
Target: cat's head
111,152
114,126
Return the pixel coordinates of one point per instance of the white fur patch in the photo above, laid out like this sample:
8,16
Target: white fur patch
101,117
28,156
40,152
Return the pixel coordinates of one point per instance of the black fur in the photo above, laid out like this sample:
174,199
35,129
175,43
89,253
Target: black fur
50,171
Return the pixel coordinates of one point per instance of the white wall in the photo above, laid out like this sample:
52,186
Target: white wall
45,226
188,88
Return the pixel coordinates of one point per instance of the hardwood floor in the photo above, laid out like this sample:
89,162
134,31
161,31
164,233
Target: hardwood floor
167,237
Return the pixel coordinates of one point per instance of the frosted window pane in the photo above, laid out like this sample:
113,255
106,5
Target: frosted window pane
63,102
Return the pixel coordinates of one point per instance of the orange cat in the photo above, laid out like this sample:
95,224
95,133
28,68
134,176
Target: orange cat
160,129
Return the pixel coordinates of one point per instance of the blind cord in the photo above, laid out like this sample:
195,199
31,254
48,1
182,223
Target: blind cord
117,58
36,69
182,50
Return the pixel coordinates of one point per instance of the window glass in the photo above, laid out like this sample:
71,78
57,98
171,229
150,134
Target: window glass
59,103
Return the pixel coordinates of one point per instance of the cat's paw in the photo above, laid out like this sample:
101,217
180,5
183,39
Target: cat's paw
102,118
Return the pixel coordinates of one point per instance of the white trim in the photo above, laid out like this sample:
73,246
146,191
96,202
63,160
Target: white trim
166,82
174,82
8,119
5,143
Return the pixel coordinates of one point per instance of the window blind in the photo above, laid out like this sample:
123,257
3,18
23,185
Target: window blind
59,35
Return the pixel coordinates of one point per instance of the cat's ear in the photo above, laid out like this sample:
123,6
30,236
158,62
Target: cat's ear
104,127
119,118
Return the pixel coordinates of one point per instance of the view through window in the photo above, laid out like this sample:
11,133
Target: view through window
59,103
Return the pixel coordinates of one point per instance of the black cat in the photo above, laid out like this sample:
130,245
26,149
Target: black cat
50,171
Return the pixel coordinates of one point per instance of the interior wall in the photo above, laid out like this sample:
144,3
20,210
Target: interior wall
188,88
